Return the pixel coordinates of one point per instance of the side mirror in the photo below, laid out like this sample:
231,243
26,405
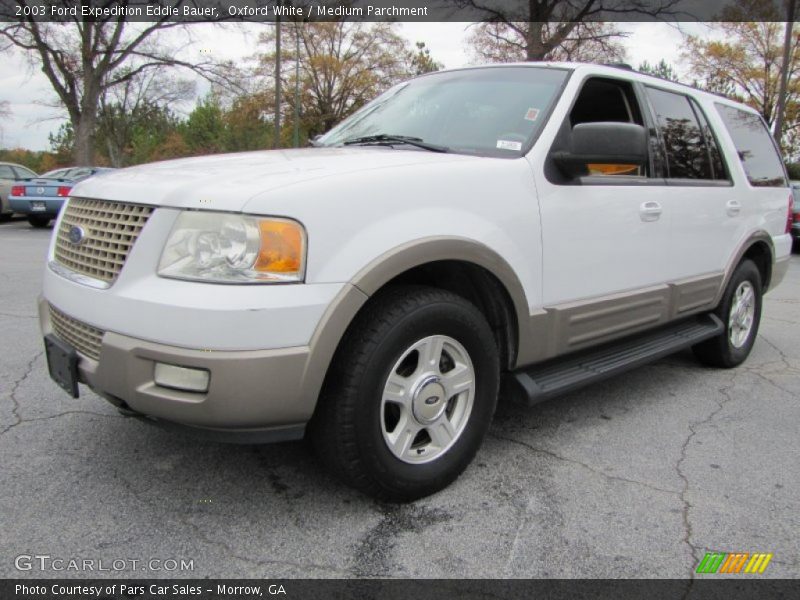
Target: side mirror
609,147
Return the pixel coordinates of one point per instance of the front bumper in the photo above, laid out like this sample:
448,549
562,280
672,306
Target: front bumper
25,206
253,395
245,388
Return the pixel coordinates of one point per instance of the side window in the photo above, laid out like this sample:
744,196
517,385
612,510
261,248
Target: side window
6,172
755,147
687,154
602,101
718,170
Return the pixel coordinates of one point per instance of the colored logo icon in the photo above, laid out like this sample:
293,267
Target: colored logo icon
734,562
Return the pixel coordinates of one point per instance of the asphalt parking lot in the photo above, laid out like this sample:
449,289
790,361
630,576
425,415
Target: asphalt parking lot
635,477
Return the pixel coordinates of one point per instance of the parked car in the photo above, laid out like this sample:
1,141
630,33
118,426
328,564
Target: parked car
41,197
545,225
796,215
9,173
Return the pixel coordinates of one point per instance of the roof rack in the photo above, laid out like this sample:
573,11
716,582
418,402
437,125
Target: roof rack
619,65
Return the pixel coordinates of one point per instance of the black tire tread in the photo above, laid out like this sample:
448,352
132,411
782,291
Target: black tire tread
717,351
332,428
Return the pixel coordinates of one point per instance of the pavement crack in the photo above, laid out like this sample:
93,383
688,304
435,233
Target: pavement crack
584,465
683,495
781,353
13,394
523,518
70,412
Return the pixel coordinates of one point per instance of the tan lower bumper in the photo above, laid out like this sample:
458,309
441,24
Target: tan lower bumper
779,270
248,391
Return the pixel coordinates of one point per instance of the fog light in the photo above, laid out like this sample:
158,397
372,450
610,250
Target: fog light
181,378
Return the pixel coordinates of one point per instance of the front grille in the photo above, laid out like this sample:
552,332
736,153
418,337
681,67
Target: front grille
110,230
84,338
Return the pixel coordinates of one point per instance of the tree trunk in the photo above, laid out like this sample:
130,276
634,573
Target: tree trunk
534,49
83,153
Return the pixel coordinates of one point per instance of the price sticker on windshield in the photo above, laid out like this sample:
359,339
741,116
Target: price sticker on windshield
532,114
509,145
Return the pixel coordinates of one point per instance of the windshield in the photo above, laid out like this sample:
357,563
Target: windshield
489,112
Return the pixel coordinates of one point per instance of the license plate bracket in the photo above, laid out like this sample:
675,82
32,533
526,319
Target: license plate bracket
62,362
38,206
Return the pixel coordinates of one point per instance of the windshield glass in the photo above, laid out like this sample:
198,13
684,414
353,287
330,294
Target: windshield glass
490,112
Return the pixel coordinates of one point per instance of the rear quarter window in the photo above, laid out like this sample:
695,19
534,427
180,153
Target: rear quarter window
755,147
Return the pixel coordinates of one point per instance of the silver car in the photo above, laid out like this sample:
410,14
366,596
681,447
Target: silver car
9,173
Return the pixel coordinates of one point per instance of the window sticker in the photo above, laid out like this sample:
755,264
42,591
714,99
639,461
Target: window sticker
509,145
532,114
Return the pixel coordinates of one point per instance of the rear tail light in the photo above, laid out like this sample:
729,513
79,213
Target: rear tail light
789,215
63,191
18,190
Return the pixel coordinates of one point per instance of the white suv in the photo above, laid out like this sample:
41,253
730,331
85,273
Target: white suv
544,225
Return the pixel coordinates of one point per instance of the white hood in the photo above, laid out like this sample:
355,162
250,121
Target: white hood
228,181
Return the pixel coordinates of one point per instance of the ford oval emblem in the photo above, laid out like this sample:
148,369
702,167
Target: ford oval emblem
76,235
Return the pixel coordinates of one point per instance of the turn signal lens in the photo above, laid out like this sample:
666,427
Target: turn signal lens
282,247
612,169
18,190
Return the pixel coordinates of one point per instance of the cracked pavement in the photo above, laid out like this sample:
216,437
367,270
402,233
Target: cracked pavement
637,476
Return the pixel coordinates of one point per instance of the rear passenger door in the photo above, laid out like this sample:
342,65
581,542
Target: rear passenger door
708,218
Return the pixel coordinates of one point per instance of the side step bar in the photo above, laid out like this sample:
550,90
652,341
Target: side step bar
546,380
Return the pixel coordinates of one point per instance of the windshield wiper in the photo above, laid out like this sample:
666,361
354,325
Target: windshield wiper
389,139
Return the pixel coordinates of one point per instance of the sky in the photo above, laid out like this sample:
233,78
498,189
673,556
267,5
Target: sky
29,93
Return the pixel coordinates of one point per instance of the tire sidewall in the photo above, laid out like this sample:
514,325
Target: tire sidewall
747,271
441,318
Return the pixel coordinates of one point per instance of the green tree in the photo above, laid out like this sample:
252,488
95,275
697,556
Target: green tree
62,144
422,62
662,69
204,129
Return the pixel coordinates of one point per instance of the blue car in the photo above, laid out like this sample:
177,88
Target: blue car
40,198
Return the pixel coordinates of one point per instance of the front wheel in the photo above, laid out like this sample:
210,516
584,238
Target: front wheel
740,312
38,221
410,394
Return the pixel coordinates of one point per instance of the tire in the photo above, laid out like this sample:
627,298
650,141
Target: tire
358,428
38,221
740,312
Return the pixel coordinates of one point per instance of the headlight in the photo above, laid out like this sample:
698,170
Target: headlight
230,248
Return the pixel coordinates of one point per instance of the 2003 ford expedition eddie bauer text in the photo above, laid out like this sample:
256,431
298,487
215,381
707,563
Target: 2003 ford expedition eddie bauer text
538,225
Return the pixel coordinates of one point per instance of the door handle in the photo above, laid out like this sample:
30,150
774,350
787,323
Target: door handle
650,211
733,208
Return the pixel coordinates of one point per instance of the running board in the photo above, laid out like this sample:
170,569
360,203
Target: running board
546,380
